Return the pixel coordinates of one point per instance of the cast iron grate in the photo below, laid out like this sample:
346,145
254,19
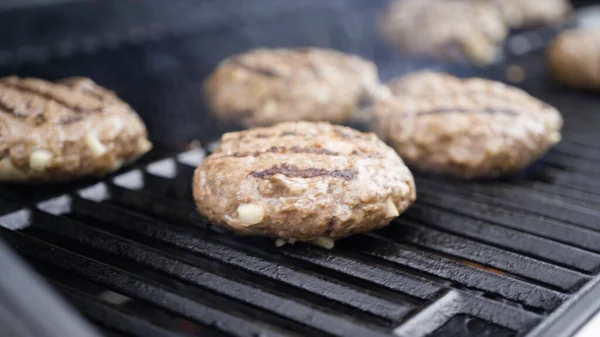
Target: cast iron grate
135,257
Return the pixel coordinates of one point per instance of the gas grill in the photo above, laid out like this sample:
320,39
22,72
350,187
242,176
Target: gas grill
518,256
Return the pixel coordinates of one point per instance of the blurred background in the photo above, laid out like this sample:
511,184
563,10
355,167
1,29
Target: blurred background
155,54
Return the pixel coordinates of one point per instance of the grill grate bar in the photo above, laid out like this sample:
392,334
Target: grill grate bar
583,138
178,187
569,162
576,150
512,289
350,265
561,278
457,302
581,198
532,224
190,274
454,280
576,181
519,199
136,287
305,280
165,209
541,248
109,333
112,299
107,316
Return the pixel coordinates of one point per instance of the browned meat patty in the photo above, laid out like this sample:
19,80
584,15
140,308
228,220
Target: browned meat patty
266,86
449,30
465,127
532,13
574,58
302,181
56,131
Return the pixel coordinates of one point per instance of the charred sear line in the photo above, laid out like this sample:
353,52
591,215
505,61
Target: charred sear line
315,70
255,69
399,89
70,119
6,108
271,135
293,171
92,93
339,133
36,116
49,97
487,110
282,149
72,84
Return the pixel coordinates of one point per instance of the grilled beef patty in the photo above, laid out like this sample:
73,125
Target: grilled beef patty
302,181
574,58
468,128
267,86
447,30
56,131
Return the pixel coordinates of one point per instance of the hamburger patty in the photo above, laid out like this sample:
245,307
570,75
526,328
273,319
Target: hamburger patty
469,128
302,181
266,86
574,58
56,131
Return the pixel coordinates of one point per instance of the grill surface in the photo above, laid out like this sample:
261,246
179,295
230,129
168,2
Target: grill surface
490,258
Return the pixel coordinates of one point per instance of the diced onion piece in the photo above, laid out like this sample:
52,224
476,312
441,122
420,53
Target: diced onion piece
323,241
391,211
94,144
144,145
290,184
40,159
404,189
250,214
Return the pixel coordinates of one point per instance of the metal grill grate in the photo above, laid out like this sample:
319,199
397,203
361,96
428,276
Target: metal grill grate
506,253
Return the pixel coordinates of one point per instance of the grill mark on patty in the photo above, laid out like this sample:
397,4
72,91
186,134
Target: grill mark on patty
283,149
49,96
71,84
270,135
255,69
315,70
337,132
398,89
70,119
293,171
488,110
7,109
